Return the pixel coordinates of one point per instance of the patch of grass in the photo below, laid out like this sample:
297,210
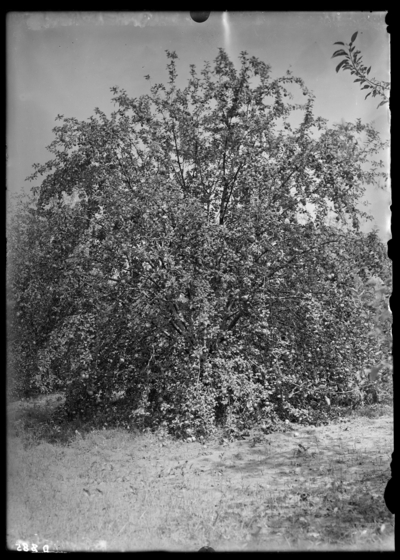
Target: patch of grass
36,423
374,410
73,487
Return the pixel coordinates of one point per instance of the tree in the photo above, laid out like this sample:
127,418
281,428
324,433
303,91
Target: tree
38,292
190,238
353,61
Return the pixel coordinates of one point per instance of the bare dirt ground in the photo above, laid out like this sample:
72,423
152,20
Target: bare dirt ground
304,488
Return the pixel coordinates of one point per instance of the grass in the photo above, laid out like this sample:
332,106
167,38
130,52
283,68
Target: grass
72,488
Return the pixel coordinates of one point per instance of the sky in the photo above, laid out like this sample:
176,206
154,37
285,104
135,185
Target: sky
66,62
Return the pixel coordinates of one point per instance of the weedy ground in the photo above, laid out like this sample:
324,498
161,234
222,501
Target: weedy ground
302,488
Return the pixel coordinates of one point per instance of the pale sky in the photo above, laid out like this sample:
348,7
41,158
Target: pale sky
66,63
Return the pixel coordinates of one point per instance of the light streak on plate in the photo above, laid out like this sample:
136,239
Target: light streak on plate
227,31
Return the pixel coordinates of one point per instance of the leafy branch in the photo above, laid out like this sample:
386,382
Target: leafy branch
353,61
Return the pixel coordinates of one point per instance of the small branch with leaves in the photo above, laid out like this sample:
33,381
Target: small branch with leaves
353,61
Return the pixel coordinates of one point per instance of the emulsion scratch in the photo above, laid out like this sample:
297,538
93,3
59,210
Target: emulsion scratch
227,31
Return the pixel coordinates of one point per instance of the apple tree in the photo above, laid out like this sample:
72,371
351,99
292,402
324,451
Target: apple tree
202,252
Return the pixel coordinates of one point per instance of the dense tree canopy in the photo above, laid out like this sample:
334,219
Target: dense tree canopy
199,256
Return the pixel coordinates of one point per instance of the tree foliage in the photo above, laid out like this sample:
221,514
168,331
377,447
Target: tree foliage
353,62
195,259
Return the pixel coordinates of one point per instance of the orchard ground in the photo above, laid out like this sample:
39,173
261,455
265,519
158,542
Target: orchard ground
313,488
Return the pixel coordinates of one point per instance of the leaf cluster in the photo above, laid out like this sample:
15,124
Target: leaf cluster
353,62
